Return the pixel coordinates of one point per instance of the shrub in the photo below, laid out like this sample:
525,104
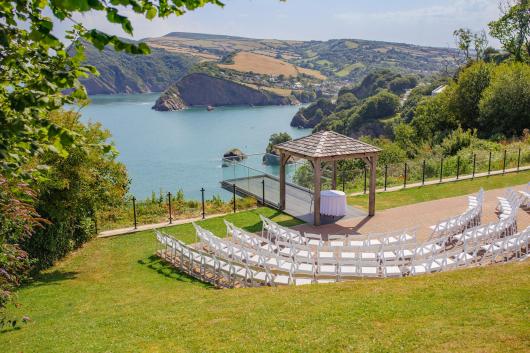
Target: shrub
505,105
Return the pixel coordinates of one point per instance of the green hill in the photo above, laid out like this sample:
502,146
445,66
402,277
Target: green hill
342,61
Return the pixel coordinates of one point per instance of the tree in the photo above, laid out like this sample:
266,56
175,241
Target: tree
37,69
505,104
467,40
39,75
480,43
433,118
277,138
463,38
406,137
513,29
271,157
88,179
464,102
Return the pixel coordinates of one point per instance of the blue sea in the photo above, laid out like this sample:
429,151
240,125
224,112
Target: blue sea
167,151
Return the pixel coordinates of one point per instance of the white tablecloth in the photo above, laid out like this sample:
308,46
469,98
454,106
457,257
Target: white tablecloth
333,203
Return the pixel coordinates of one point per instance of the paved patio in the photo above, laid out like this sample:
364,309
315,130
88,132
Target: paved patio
422,215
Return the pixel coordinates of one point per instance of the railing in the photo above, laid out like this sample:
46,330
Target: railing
248,181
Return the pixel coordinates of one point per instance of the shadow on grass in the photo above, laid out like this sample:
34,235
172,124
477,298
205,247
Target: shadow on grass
52,278
164,268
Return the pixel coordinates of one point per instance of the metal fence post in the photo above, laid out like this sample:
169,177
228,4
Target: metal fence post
405,176
474,164
519,159
365,179
169,202
504,162
457,167
134,210
386,174
489,164
423,173
441,168
202,201
234,191
263,192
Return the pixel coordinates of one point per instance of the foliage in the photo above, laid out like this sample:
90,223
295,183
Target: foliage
303,175
466,41
37,68
76,186
405,137
358,109
457,140
310,116
121,72
467,93
17,219
513,29
365,118
493,99
417,94
381,80
505,104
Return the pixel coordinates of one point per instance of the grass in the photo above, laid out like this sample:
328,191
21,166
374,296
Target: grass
113,295
345,71
404,197
266,65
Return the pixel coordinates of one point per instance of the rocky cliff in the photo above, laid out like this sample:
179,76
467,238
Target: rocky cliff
199,89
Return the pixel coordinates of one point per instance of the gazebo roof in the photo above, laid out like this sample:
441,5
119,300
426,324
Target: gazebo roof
327,144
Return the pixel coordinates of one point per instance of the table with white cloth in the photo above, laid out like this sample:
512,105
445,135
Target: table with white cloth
333,203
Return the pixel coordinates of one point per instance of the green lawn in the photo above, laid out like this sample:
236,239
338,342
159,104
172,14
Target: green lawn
113,295
403,197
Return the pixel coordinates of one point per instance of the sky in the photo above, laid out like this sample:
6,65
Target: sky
422,22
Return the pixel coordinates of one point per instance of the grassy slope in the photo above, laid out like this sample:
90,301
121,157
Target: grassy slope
115,296
392,199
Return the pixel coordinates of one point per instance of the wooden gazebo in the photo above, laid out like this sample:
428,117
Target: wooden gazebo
327,147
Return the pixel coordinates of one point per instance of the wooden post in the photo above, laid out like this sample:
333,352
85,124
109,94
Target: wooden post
283,161
316,195
371,196
334,178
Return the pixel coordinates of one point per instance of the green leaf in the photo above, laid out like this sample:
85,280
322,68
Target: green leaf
151,13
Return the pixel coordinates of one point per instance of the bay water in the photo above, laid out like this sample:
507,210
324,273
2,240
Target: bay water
167,151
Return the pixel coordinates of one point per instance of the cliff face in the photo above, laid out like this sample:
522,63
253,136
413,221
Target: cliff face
200,89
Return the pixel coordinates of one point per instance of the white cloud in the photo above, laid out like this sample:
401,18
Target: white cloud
429,25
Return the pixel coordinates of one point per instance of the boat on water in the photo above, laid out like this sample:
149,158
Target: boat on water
209,108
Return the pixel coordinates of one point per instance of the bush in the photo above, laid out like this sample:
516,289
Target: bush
457,140
505,105
87,179
464,102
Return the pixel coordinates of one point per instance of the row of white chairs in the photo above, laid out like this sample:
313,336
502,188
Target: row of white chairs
199,264
366,264
525,194
369,251
469,218
274,232
509,204
221,272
